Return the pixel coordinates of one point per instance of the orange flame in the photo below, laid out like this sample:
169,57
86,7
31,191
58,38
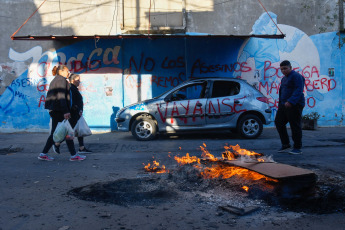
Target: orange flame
246,188
223,172
155,168
207,154
217,170
187,159
232,152
243,152
228,155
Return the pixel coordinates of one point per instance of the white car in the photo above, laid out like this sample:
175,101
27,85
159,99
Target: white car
199,104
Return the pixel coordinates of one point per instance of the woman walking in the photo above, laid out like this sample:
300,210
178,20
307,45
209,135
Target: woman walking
58,104
77,108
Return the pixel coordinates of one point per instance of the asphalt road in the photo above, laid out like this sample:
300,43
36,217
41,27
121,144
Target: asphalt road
37,194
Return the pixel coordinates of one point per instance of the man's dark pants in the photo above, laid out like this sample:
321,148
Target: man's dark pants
293,116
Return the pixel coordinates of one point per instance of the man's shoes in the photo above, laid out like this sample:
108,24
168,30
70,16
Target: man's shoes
295,152
85,150
45,157
56,148
77,157
284,149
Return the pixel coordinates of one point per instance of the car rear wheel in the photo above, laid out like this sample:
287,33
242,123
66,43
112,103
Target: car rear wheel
144,128
250,126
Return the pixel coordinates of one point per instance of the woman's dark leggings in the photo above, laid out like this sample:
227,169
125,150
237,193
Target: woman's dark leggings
81,141
56,118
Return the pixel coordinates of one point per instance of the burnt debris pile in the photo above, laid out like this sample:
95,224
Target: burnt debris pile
327,195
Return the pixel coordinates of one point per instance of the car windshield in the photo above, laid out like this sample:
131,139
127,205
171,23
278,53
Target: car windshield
172,89
161,94
189,92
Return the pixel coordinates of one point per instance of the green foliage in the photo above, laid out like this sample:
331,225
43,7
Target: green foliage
311,116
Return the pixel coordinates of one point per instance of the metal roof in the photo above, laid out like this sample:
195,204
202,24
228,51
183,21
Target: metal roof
149,36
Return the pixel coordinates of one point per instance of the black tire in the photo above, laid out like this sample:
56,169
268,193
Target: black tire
144,128
234,130
250,126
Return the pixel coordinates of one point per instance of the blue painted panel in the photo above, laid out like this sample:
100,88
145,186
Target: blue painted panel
213,57
152,66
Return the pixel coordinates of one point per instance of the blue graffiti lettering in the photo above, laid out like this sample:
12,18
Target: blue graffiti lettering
24,82
3,104
20,95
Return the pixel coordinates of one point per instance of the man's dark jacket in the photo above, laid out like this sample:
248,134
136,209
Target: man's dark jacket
291,89
58,97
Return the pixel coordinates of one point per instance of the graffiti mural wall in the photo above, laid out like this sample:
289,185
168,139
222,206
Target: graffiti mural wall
116,73
317,58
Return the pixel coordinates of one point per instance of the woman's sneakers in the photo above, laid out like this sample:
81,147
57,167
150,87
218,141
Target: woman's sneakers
45,157
77,157
84,150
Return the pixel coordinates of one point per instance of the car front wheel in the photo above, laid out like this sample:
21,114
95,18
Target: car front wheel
144,128
250,126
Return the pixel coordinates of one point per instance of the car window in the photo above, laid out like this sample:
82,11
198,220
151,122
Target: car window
189,92
225,88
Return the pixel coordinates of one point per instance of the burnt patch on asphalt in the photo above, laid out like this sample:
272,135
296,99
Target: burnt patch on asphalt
9,150
326,196
126,192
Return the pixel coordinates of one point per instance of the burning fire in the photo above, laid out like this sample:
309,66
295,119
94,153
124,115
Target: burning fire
206,154
155,167
219,170
225,172
187,159
232,152
245,188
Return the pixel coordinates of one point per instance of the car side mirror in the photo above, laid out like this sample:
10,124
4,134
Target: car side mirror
167,98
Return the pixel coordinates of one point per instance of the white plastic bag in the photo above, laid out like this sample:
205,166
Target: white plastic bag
70,131
63,131
60,132
81,129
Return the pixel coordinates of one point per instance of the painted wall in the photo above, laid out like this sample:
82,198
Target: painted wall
115,73
315,57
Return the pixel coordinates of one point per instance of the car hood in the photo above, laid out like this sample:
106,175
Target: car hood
140,103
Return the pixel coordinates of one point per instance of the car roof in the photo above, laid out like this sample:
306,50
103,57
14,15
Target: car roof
215,78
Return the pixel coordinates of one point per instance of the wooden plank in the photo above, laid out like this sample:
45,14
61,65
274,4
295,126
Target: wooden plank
274,170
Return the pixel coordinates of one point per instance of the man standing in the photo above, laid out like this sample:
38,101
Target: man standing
291,103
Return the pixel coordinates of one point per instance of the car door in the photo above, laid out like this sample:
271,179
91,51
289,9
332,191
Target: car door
226,100
185,106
